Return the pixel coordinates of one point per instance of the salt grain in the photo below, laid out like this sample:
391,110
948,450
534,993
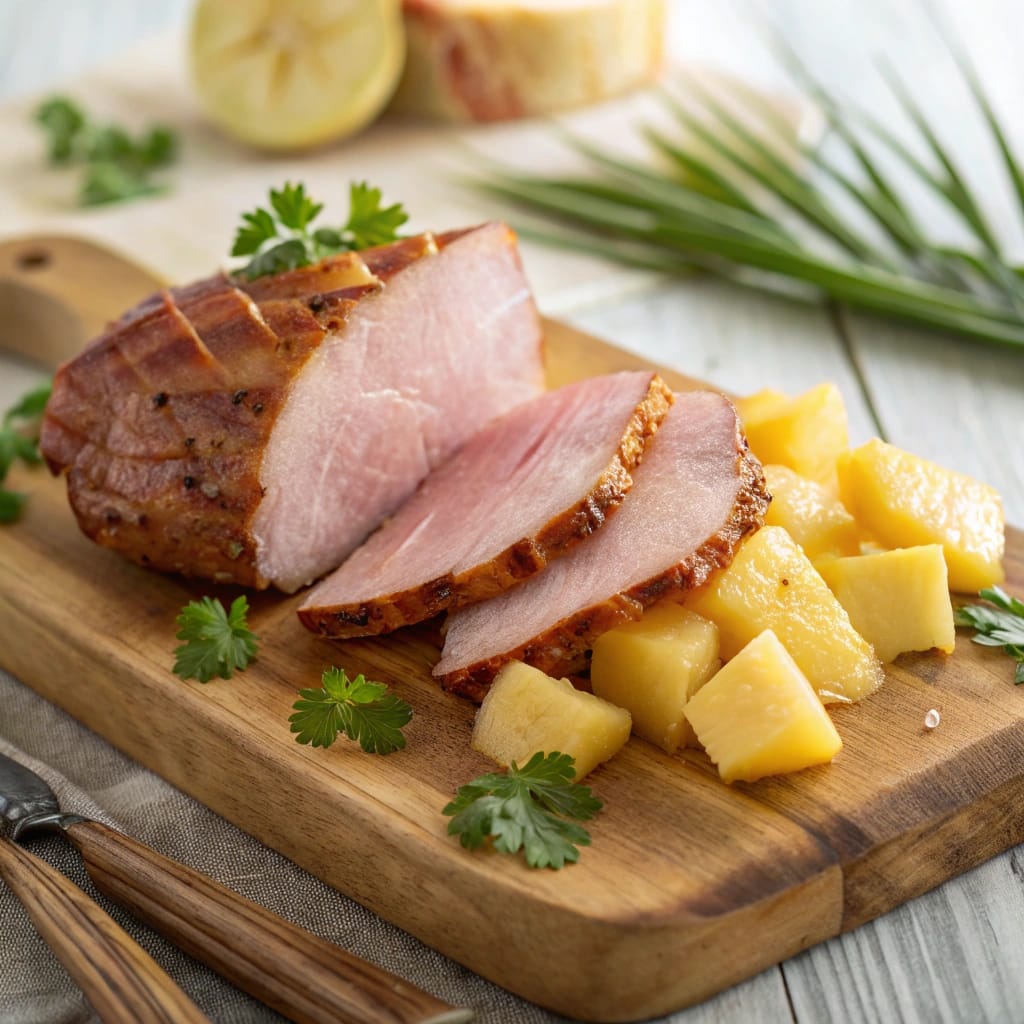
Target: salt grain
932,719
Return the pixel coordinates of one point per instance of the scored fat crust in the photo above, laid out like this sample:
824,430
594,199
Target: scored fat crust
557,648
517,562
161,427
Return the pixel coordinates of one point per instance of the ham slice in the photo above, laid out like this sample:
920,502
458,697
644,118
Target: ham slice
523,491
697,493
491,60
257,432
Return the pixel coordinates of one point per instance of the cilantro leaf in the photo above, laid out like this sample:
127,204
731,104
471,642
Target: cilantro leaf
282,237
525,809
217,642
19,439
364,711
116,165
998,624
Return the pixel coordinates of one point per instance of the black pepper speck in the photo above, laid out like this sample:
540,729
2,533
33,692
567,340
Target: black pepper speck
238,396
160,399
190,482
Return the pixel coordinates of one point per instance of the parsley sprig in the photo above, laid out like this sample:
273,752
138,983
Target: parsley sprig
116,165
217,642
526,808
19,439
999,624
364,711
283,237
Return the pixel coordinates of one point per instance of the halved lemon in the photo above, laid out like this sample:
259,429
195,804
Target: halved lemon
286,74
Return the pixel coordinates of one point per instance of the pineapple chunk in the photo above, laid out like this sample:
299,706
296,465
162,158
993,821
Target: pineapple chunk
526,711
906,501
810,514
771,584
652,667
756,407
760,716
807,433
897,600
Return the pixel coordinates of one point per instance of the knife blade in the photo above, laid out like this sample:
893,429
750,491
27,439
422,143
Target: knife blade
303,977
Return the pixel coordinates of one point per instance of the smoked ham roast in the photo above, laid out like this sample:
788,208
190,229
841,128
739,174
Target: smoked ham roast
695,496
255,432
523,491
492,60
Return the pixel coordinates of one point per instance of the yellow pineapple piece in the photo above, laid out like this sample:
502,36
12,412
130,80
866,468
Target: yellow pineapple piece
897,600
771,584
760,716
810,514
526,711
806,433
906,501
756,407
652,667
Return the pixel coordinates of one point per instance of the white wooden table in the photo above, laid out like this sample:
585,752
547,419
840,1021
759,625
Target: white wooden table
957,953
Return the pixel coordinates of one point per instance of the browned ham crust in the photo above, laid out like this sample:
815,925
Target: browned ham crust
175,426
612,577
552,471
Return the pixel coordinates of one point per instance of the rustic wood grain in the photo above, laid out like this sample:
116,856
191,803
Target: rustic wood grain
689,886
121,981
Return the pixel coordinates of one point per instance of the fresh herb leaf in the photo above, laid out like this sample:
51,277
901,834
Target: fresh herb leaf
11,505
217,642
293,207
111,182
363,710
526,808
369,223
19,439
999,624
116,165
62,122
283,238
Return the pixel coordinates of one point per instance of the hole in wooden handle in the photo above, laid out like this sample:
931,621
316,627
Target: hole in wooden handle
33,259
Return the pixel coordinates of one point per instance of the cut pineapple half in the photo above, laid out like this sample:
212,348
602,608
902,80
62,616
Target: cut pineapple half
526,711
286,74
760,716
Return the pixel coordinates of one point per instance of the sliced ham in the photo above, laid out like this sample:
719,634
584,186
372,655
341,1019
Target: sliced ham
491,60
257,432
522,492
697,493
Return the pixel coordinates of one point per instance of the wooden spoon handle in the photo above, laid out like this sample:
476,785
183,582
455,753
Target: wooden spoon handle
119,978
307,979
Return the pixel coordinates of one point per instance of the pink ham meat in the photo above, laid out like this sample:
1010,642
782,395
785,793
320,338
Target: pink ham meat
257,432
696,495
523,491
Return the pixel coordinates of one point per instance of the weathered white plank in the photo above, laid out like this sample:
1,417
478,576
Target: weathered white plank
737,340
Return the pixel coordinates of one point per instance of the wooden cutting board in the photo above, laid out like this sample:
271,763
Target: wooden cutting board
690,885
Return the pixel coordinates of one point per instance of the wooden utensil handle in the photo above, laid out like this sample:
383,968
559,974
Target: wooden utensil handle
307,979
119,978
